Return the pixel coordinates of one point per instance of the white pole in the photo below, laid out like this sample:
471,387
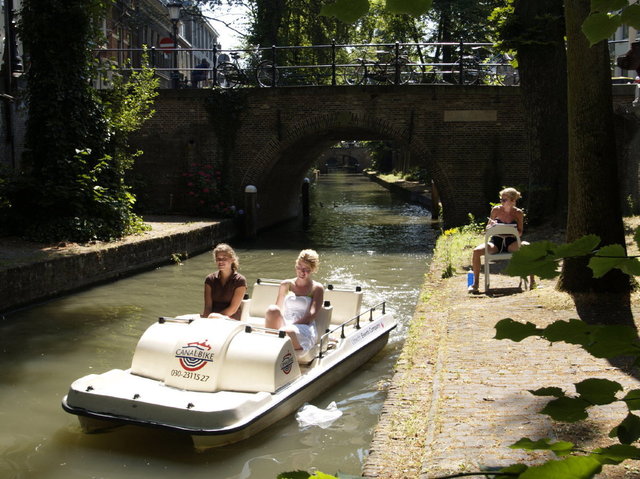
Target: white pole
633,33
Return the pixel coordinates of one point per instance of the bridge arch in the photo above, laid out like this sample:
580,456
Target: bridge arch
279,168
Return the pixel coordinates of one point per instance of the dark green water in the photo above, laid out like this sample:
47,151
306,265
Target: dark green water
364,237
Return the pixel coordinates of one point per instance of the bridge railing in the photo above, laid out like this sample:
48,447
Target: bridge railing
331,64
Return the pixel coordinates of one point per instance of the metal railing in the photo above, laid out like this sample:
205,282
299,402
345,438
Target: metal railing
332,64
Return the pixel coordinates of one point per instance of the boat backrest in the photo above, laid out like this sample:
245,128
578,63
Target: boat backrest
263,295
346,303
323,318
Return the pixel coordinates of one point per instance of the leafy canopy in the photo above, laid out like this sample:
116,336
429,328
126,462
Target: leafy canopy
349,11
607,15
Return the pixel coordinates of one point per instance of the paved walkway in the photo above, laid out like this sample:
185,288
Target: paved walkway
459,397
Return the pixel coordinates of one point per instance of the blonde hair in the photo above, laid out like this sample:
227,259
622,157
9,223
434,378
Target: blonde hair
227,250
512,193
310,257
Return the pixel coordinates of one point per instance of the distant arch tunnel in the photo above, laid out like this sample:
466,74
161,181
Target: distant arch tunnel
470,139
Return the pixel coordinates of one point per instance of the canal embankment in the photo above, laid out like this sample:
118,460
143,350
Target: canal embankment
409,191
34,272
459,397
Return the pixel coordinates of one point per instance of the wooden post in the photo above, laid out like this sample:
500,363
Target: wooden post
305,198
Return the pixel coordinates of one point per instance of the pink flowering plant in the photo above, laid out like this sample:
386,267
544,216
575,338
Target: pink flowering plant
204,186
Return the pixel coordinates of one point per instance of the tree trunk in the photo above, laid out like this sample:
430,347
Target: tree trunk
594,206
269,15
543,83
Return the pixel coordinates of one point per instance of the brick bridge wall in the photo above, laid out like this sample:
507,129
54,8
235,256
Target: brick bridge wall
470,139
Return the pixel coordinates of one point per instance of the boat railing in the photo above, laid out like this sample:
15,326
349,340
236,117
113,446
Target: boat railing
324,339
268,281
169,319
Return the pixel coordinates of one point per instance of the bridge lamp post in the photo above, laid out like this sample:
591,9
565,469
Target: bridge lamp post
174,15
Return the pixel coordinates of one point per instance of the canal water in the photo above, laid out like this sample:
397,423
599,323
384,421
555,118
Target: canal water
364,237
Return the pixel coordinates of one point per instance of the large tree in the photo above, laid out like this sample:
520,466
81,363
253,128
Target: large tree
594,205
536,31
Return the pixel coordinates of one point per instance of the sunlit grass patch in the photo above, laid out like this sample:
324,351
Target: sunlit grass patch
453,248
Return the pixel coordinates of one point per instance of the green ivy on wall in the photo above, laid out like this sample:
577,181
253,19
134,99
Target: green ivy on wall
224,108
76,156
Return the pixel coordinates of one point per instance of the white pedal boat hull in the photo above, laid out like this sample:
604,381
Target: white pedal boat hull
224,416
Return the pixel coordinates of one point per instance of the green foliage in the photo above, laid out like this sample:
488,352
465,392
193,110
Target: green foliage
607,15
349,11
474,226
419,174
378,151
295,22
452,247
129,103
177,258
543,258
224,108
410,7
205,186
601,341
513,32
72,186
559,448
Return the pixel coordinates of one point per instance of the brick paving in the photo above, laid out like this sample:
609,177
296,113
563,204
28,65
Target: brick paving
459,397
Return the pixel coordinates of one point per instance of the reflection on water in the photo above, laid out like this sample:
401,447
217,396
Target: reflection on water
364,237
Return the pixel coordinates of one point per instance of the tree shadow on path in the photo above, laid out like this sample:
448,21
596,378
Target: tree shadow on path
610,309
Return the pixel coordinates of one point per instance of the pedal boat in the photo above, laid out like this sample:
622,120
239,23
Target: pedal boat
222,381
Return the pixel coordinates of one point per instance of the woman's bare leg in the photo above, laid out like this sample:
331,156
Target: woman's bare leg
478,252
273,319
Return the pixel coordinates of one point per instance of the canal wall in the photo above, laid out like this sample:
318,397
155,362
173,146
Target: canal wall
409,191
34,274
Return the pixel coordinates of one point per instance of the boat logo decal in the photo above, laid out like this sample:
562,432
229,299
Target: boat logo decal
287,363
363,333
195,355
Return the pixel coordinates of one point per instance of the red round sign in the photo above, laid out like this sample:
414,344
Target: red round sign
166,44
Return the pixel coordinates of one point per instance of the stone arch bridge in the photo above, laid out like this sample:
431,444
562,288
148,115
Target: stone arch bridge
471,140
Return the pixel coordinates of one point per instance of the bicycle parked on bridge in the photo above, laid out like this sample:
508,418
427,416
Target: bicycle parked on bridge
493,70
230,74
383,70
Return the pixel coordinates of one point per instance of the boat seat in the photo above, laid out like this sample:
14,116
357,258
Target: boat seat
323,321
346,303
264,294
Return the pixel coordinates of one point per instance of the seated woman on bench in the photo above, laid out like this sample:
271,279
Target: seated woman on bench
298,303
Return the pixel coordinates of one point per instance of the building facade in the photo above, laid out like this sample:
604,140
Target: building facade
133,25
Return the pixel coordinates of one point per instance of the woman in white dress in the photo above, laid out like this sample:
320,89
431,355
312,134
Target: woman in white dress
299,301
